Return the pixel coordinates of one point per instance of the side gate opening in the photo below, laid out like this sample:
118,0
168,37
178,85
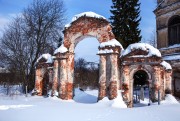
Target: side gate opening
140,88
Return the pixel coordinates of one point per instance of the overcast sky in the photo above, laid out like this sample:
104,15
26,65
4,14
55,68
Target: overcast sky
87,48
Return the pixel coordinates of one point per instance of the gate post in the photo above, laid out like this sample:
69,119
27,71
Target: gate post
102,77
126,86
113,76
38,81
63,78
70,75
168,81
55,78
156,84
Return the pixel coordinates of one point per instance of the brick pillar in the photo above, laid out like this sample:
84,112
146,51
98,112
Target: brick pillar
38,81
55,77
114,76
102,77
126,86
70,76
63,78
155,84
162,83
168,81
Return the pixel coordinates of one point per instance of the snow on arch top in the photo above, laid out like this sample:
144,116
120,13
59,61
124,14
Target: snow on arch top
47,57
61,49
88,14
142,46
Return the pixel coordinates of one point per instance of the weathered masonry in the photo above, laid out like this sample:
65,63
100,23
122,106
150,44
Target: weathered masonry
117,66
168,36
144,58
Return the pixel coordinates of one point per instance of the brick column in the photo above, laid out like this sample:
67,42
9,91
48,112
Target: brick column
70,76
114,76
168,81
126,86
102,77
63,78
156,84
38,81
55,78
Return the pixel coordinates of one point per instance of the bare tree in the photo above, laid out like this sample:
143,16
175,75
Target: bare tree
93,75
80,72
13,46
36,32
44,23
152,39
86,74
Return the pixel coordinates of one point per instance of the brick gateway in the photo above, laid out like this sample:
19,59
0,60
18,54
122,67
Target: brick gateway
117,66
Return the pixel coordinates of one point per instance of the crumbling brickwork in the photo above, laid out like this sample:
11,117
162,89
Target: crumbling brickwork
158,76
43,76
116,71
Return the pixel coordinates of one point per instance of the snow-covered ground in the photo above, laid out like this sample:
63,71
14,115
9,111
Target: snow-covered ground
84,107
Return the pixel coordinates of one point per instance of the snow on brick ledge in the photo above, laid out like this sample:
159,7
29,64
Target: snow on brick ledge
47,57
88,14
142,46
105,51
172,57
61,49
170,47
166,65
111,43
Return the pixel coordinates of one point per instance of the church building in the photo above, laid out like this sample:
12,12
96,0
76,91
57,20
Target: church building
168,37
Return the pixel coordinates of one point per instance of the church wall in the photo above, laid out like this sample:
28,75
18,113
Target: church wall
162,38
163,13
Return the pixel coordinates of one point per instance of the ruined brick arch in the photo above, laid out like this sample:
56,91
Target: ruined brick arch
79,39
87,27
82,27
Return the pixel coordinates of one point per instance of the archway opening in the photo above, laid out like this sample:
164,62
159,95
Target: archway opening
140,89
86,70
